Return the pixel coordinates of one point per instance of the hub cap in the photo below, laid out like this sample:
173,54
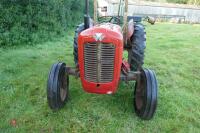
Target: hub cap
63,87
140,92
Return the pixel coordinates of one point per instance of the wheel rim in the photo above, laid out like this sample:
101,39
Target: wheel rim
140,92
63,87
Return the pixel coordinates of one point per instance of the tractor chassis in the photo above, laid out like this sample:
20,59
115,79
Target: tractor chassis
130,76
145,87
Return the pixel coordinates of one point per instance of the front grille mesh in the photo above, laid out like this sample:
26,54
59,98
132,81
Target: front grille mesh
99,62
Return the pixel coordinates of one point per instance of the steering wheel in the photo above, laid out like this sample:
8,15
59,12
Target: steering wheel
116,20
110,19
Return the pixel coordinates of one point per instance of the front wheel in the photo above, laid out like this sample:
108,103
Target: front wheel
57,86
146,89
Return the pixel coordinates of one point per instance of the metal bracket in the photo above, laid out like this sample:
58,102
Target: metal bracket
130,76
72,71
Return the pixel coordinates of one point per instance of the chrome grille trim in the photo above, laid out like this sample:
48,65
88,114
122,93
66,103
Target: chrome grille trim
99,62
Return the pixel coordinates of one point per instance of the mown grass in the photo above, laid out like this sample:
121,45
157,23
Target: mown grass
173,51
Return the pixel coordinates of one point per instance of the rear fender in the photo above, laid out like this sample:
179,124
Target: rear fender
130,28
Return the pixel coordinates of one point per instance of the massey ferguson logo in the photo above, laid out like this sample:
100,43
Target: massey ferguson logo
98,36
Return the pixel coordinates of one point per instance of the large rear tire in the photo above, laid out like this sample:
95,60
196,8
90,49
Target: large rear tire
78,30
138,45
57,86
145,99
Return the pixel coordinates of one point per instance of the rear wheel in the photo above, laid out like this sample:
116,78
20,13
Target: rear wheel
57,86
78,30
138,45
145,100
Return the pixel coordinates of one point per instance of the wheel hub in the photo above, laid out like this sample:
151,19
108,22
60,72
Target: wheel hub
140,92
63,87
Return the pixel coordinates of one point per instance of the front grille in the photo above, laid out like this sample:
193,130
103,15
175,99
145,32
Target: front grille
99,62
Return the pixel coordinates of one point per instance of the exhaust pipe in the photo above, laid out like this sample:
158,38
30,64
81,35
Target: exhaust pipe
86,16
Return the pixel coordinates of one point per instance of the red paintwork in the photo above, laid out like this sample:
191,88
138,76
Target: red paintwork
112,34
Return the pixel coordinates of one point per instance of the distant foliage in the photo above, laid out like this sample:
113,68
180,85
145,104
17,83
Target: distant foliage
193,2
178,1
30,21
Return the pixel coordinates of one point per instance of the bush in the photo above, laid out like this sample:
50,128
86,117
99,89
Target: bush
30,21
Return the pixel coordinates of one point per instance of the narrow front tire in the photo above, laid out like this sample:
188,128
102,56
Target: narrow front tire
146,91
57,86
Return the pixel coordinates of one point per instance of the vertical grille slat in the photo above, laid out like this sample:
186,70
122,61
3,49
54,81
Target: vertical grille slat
99,62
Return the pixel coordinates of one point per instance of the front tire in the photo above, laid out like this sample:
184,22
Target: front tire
146,89
57,86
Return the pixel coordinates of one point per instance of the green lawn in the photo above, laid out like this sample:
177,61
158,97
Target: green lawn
173,51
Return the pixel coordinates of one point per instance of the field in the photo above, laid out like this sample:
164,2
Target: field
173,51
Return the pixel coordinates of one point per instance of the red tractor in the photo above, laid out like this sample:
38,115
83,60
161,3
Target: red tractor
98,56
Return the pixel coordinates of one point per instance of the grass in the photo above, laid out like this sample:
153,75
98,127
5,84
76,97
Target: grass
173,51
